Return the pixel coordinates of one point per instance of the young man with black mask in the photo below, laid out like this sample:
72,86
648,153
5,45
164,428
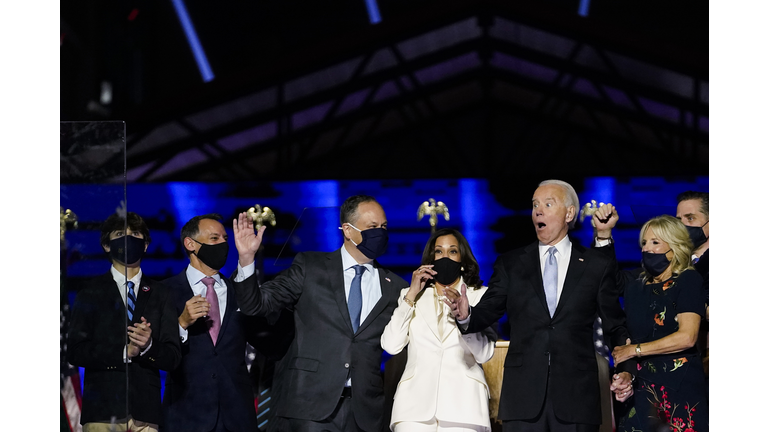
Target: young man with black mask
342,301
118,307
211,390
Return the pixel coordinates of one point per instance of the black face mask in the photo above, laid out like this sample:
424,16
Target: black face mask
127,248
697,235
374,242
213,255
447,270
655,264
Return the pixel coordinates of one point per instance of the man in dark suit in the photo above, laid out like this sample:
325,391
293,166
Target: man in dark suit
101,323
211,390
342,301
552,292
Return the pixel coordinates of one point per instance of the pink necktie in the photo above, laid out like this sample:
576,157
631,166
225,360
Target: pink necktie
213,313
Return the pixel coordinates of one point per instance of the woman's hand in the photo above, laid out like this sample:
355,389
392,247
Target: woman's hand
624,352
419,280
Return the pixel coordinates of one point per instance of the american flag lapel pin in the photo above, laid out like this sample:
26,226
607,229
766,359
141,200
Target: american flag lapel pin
581,259
387,279
145,288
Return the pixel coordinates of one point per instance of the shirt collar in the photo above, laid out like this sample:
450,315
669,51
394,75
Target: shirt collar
348,262
119,278
195,276
561,246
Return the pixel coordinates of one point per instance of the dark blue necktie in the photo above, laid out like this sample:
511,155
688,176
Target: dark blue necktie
355,301
131,300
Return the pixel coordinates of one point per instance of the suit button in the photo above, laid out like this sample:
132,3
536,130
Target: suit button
551,327
346,365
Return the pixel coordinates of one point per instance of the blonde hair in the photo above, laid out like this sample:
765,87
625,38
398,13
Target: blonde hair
673,232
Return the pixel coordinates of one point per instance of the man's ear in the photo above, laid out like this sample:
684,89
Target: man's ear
189,245
105,247
570,214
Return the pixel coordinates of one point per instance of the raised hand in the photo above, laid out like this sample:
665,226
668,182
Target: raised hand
458,302
419,280
604,220
247,241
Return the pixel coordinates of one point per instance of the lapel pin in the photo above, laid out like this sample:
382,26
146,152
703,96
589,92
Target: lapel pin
145,288
387,279
581,259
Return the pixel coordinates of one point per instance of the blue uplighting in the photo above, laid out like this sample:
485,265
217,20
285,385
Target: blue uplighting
194,42
373,11
583,8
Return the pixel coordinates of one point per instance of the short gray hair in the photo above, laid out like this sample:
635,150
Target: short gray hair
571,198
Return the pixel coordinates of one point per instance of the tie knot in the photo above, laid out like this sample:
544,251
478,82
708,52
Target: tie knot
208,281
552,251
359,269
131,285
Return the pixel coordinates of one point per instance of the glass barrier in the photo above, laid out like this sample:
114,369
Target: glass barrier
95,378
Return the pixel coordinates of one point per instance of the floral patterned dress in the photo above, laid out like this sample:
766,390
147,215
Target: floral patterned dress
670,389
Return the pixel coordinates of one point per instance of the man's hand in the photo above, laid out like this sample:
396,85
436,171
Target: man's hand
459,303
247,241
138,337
194,308
604,220
621,386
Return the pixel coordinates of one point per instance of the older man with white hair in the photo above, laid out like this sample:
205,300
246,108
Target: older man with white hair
552,291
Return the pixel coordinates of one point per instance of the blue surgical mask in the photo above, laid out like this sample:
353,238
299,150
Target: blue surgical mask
374,242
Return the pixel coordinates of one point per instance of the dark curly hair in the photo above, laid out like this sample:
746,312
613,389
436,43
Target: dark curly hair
471,271
116,222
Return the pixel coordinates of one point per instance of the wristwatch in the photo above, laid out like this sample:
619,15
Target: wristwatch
638,351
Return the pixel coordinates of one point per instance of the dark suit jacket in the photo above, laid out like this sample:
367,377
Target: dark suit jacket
325,352
564,340
96,338
212,380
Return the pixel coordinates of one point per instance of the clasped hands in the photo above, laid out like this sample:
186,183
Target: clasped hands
622,382
139,336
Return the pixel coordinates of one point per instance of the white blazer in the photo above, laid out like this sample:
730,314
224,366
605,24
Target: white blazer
443,377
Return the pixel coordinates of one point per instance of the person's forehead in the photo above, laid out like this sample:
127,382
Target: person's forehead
128,231
446,240
689,206
549,192
369,211
210,226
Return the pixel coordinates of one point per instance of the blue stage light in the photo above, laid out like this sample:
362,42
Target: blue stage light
194,42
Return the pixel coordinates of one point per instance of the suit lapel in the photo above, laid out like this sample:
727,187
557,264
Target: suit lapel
576,267
425,306
388,293
530,259
229,311
335,272
142,298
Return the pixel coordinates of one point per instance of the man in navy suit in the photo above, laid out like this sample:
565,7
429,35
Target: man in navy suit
341,302
123,305
211,390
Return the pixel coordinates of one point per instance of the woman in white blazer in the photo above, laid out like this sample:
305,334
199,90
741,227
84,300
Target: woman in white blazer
443,386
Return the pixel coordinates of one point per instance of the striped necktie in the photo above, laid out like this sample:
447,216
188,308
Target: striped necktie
131,301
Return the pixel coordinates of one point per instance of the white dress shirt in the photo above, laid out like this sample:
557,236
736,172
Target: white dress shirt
563,257
370,285
195,279
121,282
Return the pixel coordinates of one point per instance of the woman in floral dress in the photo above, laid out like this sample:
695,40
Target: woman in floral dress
664,308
